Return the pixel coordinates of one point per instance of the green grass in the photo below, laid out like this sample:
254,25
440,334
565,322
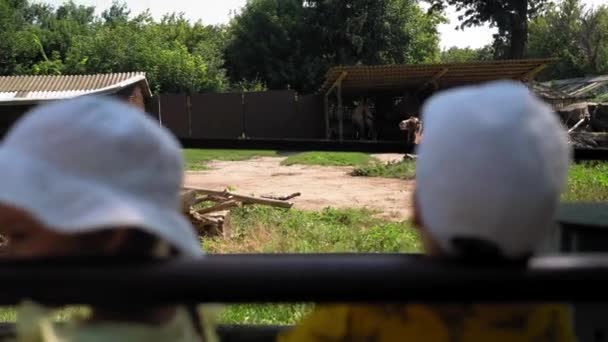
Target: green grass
329,159
9,314
197,160
400,170
587,182
270,230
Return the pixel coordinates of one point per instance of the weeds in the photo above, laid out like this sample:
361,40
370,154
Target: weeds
329,159
197,160
401,170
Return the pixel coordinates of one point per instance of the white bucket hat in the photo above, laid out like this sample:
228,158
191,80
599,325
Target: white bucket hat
492,164
94,163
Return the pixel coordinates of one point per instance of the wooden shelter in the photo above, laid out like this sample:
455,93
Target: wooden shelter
364,80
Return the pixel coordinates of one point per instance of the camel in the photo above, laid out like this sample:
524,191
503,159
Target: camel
363,121
413,126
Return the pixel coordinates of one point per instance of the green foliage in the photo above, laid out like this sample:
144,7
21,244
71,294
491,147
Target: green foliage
274,44
246,86
401,170
465,55
329,159
509,16
256,314
196,159
291,43
177,55
587,182
271,230
577,37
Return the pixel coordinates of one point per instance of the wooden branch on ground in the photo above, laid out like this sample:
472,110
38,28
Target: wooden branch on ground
207,220
282,198
242,198
219,207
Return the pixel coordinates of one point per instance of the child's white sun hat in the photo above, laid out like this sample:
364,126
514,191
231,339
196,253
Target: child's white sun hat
94,163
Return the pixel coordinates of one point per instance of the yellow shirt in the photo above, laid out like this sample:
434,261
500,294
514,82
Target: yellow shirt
440,323
34,325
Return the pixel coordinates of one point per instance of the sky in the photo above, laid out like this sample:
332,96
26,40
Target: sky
217,12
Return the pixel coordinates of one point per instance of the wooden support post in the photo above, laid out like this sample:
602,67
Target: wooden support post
532,73
433,79
337,82
326,110
336,85
340,112
189,105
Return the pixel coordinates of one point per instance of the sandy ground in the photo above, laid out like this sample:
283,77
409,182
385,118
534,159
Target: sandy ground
321,187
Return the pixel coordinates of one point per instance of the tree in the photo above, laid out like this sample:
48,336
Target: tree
577,37
292,43
509,16
142,45
463,55
118,13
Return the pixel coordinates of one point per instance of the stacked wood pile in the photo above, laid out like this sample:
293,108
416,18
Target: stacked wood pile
587,124
215,220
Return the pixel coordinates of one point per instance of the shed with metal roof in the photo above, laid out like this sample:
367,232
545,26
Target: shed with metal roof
36,89
18,94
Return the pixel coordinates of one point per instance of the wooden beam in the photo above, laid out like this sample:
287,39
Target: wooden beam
433,79
337,82
532,73
240,198
326,111
340,112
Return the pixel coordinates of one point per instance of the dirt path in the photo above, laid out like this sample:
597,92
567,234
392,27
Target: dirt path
321,187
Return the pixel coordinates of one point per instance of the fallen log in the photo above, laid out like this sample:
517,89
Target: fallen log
282,198
219,207
242,198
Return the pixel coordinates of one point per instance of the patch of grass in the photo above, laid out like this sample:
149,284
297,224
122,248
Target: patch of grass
400,170
587,182
271,230
329,159
196,159
9,314
256,314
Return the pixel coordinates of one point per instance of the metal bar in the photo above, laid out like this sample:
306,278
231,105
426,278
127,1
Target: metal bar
302,278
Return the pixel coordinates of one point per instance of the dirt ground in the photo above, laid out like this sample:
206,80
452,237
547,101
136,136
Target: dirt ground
321,187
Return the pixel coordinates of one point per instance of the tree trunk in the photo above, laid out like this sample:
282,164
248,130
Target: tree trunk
519,30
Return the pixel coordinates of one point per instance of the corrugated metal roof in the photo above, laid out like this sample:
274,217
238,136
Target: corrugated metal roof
361,78
547,92
44,88
582,87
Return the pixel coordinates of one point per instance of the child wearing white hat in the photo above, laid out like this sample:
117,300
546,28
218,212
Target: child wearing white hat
489,174
96,177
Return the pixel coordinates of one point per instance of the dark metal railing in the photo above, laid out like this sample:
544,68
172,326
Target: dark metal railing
301,278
